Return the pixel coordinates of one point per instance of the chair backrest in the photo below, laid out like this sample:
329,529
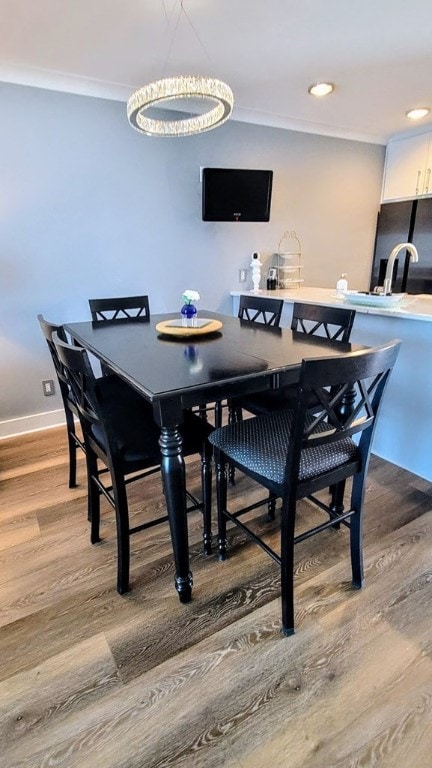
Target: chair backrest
48,330
331,322
97,400
259,309
80,378
120,310
349,390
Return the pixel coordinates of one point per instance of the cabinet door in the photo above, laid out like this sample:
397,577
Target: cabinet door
394,224
405,168
420,273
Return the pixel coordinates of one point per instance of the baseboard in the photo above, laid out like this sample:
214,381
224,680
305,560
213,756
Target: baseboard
33,423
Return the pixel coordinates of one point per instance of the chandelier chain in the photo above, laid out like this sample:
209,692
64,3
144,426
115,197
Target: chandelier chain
194,31
172,38
181,11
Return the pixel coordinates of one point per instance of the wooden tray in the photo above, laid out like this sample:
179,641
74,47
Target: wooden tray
180,330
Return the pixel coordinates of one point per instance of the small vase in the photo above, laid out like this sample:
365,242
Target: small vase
189,315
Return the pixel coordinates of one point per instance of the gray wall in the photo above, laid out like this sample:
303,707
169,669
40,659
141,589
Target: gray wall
89,207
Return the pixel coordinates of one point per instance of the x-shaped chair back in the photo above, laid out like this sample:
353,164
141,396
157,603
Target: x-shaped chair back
80,378
333,323
48,329
117,310
258,309
349,392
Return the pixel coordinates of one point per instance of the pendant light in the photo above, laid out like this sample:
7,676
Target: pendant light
159,93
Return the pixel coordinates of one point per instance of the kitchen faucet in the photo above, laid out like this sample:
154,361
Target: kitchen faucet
388,279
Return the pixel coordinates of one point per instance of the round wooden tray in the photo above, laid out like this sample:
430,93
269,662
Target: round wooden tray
180,330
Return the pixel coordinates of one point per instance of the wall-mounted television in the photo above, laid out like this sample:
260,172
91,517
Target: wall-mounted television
231,194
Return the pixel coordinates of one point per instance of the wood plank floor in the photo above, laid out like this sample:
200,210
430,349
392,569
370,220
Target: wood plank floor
94,680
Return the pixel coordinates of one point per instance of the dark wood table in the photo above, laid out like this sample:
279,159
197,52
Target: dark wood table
174,374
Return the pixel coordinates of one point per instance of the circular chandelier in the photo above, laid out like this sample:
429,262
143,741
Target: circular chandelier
218,93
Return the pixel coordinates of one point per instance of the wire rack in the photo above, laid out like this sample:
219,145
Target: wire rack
289,264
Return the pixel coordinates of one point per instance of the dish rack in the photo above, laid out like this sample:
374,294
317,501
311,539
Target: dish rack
289,251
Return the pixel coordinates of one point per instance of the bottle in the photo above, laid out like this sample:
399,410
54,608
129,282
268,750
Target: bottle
271,279
342,285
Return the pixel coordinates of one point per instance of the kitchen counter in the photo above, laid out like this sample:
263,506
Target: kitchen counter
404,430
411,308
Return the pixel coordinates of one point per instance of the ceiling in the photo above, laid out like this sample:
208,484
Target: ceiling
377,52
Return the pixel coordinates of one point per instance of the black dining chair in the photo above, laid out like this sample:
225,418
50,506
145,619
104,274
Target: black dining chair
121,435
259,310
254,309
332,323
125,309
69,405
296,453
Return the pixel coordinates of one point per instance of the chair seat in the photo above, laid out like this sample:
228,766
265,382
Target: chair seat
260,444
136,433
273,400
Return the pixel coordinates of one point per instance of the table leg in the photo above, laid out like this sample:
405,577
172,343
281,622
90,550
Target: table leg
173,475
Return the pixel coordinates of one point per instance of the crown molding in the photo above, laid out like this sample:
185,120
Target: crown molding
83,86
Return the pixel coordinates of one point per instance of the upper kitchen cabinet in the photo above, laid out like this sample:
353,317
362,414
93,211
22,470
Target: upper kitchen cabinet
407,172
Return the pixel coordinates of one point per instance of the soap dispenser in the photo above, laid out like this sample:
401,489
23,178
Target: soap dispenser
342,285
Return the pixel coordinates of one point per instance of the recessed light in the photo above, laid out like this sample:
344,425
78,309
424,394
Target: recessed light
416,114
321,89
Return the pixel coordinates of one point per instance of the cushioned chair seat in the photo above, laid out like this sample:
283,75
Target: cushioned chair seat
144,447
274,400
260,444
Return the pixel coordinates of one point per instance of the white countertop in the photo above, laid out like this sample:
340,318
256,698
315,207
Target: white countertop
411,308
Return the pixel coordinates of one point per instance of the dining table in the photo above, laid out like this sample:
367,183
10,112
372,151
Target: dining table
178,372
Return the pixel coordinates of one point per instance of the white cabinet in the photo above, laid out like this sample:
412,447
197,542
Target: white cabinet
408,166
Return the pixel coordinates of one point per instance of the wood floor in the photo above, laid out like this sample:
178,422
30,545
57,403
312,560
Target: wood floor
91,679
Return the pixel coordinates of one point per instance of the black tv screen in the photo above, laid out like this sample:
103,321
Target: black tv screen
230,194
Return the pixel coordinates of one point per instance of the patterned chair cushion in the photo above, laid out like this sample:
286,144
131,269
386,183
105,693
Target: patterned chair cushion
274,400
261,445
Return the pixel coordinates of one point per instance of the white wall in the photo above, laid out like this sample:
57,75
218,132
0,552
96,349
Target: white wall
89,207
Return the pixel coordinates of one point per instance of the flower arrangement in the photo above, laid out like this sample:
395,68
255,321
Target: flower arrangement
190,296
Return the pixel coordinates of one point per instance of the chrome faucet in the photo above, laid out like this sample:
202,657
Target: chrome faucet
412,250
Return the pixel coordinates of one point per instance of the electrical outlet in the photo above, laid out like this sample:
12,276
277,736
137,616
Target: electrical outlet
48,387
242,275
